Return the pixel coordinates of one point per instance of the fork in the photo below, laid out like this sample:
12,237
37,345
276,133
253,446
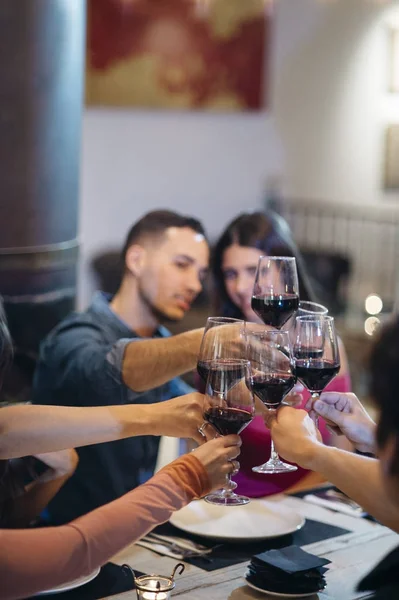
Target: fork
173,550
178,542
344,498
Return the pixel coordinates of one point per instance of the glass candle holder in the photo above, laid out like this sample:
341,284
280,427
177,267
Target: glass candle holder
154,587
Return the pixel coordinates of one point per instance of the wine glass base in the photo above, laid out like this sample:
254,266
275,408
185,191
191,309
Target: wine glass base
222,500
275,466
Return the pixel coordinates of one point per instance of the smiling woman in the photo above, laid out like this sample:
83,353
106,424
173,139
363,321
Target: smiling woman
234,264
236,256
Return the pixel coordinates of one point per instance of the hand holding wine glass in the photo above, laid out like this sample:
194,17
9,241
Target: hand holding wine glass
275,295
229,407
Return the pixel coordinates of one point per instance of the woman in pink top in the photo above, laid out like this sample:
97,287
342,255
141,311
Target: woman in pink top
235,259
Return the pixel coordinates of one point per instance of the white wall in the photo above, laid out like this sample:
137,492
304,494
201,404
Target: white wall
324,133
332,103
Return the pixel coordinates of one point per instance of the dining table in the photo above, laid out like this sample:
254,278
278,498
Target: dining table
352,555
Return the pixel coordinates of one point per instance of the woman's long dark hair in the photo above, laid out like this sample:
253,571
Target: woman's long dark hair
270,234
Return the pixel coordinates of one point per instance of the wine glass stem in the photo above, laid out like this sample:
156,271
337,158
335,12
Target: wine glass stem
273,454
229,487
315,396
274,457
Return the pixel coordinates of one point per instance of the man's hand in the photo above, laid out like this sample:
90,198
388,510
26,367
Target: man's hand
294,434
345,415
231,334
182,417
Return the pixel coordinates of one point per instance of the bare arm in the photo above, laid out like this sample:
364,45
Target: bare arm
360,478
30,429
150,363
294,435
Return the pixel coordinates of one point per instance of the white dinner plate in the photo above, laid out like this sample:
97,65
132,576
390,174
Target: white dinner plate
259,520
65,587
278,595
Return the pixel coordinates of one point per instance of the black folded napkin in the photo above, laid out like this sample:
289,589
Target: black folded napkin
233,553
112,579
290,570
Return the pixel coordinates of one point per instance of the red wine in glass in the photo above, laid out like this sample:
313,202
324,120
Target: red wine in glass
316,374
272,376
307,353
228,408
228,420
275,296
226,372
272,388
316,352
275,310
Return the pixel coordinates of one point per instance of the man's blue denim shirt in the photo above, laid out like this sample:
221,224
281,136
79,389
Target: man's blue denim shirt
80,364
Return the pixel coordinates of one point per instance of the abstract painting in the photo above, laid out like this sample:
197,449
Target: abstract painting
178,54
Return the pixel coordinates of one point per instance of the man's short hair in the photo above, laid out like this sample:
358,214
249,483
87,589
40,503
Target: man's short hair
155,224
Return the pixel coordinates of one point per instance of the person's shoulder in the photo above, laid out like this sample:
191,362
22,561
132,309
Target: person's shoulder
74,328
78,321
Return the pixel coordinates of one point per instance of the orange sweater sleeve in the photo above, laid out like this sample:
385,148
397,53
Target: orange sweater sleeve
37,559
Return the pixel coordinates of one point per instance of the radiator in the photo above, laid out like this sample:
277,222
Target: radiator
368,236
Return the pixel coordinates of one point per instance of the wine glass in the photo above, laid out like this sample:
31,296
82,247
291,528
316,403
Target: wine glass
272,376
229,407
222,340
275,295
307,308
316,353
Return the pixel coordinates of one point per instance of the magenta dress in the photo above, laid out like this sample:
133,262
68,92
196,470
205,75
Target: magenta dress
255,450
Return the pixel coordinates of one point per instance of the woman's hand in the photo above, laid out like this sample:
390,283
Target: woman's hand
182,417
217,457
